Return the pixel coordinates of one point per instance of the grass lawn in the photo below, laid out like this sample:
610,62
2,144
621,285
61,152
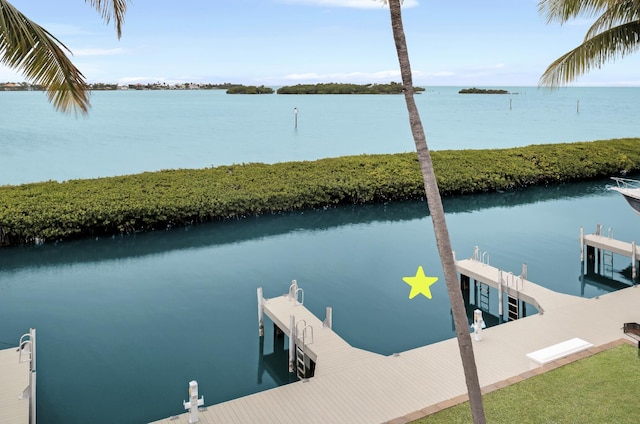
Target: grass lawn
602,388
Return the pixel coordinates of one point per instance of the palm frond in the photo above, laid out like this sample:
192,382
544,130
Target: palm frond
111,9
563,10
593,53
622,12
26,46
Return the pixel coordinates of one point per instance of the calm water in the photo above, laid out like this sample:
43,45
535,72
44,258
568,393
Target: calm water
125,323
134,131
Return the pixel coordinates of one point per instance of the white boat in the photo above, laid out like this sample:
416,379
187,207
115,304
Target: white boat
630,189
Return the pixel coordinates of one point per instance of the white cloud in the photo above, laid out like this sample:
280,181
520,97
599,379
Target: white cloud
9,75
97,52
354,4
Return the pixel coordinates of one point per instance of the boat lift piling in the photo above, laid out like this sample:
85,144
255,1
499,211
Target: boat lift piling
600,250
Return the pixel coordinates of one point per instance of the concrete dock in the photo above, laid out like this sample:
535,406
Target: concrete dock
414,383
14,378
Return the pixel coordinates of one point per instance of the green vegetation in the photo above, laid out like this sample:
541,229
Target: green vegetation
79,208
335,88
250,89
482,91
602,388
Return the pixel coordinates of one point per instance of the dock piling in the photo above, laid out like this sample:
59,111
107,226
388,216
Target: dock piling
292,342
634,261
328,321
260,312
500,301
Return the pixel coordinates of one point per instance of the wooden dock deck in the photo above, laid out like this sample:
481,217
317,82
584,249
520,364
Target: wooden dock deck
414,383
14,378
600,247
530,292
611,245
327,349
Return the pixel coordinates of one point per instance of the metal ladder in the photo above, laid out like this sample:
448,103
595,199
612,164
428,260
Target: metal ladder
484,297
303,362
607,257
513,312
607,264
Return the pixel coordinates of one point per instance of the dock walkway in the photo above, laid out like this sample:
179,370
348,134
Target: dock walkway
409,385
335,353
14,378
540,297
600,247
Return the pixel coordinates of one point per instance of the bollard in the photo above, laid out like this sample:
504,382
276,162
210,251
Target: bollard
194,402
478,325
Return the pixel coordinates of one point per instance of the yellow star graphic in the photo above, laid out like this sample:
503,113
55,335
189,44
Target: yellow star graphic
420,284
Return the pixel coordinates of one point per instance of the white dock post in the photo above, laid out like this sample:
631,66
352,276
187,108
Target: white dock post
194,402
582,245
478,325
500,307
328,321
634,260
32,378
292,342
260,313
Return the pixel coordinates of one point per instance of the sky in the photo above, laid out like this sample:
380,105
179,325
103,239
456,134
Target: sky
286,42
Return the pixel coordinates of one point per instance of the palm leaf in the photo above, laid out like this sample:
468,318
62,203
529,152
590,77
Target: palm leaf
112,9
563,10
623,12
26,46
593,53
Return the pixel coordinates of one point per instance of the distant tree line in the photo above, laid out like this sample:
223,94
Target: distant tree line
322,88
24,86
481,91
337,88
250,89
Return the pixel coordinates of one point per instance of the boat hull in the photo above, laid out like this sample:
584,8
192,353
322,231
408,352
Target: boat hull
632,196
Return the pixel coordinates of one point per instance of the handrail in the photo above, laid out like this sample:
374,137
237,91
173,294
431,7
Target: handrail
292,289
293,292
627,183
304,335
25,348
297,331
480,256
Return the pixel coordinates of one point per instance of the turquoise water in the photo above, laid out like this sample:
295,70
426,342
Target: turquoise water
135,131
124,323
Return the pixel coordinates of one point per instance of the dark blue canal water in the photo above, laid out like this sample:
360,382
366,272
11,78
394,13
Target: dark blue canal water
125,323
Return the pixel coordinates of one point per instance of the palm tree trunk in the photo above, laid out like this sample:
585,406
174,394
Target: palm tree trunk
434,201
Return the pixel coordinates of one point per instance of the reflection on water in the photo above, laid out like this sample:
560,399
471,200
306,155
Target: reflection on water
131,320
